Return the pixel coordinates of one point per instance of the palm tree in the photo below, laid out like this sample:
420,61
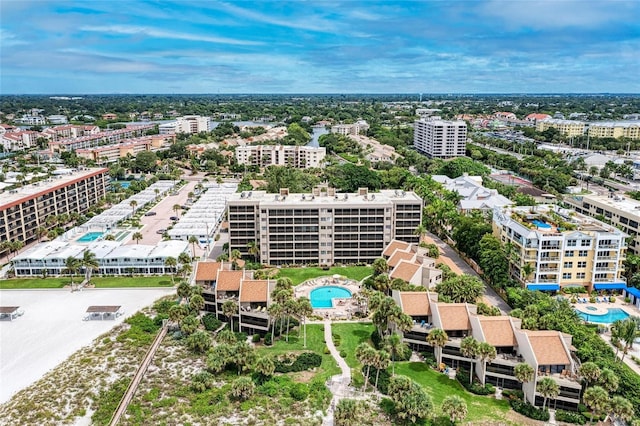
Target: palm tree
254,250
526,271
137,236
395,346
170,263
590,372
304,310
133,204
176,208
608,380
595,398
184,258
470,349
41,231
229,309
90,263
630,330
177,313
275,311
381,362
72,265
290,309
193,240
486,353
547,388
265,366
420,231
184,290
380,266
454,407
196,303
157,191
365,355
235,255
438,338
616,335
620,407
523,372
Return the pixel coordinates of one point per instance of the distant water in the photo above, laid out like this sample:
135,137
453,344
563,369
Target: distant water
317,132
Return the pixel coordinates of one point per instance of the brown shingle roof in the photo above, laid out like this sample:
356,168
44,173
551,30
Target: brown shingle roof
229,280
498,331
395,245
103,309
454,316
398,256
8,309
254,291
207,271
548,348
405,270
415,303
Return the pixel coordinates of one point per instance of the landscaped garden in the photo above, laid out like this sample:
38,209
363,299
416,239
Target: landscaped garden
300,275
99,282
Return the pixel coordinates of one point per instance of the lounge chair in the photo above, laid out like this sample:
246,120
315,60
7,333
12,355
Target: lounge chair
606,299
598,300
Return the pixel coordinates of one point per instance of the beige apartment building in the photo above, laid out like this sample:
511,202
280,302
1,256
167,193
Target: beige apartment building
622,212
110,153
98,139
565,127
300,157
322,227
552,247
438,138
25,209
615,129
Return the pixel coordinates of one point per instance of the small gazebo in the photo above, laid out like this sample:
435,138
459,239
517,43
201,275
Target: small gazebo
103,312
9,312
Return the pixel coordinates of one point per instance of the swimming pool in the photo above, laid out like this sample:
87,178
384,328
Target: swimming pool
124,184
321,297
612,315
89,237
540,224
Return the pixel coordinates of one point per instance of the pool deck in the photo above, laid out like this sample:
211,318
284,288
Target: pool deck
343,308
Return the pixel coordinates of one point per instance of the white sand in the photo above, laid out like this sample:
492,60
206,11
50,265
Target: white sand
52,329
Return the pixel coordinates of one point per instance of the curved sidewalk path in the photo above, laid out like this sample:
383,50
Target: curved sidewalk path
339,384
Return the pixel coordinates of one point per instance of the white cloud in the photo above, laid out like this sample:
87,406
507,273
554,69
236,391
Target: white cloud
156,33
8,39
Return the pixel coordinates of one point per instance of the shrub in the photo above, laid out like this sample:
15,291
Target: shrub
299,391
256,338
163,306
627,300
210,322
202,381
383,379
343,353
376,339
570,417
529,410
477,388
612,299
592,299
513,394
268,339
304,361
326,350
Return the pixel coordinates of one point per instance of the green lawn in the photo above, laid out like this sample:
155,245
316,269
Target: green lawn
439,386
351,335
299,275
100,282
315,343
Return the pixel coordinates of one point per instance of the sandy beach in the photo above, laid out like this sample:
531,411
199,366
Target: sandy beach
52,328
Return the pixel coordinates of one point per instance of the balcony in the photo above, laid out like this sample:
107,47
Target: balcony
609,246
547,269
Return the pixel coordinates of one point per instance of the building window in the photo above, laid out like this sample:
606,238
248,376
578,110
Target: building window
569,253
568,264
585,243
566,276
572,243
583,253
580,275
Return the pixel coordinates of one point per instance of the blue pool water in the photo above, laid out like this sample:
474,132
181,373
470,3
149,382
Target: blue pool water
540,224
321,296
89,237
124,184
612,315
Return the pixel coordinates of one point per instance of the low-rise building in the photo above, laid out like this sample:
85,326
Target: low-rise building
473,196
548,352
411,263
109,153
552,247
615,129
300,157
357,128
565,127
95,139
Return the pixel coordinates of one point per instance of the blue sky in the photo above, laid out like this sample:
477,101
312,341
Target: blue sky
493,46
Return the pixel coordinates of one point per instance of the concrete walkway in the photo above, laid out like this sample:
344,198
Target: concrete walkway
338,385
489,294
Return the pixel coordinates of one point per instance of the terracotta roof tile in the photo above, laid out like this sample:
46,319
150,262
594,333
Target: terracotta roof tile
399,255
498,331
405,270
548,348
254,291
415,303
395,245
207,271
229,280
454,316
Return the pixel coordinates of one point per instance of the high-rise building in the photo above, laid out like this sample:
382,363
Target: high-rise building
438,138
322,227
300,157
189,124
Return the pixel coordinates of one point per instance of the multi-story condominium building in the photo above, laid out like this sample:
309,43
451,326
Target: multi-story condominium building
411,263
440,139
300,157
357,128
57,119
253,297
565,127
55,133
551,247
110,153
113,257
615,129
189,124
98,139
19,140
323,227
548,352
32,120
25,209
621,212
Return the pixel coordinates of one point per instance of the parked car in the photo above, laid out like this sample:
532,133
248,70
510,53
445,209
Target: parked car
174,218
161,231
150,213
